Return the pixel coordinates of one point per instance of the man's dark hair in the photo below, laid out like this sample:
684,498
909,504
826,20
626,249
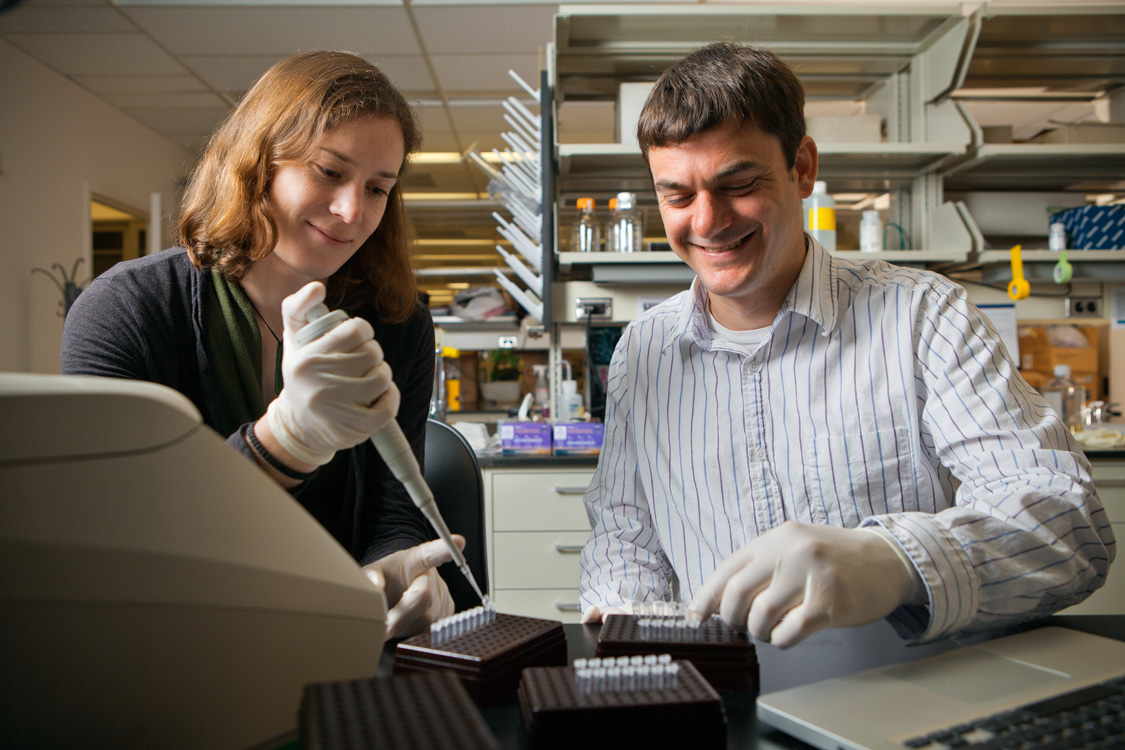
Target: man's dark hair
719,83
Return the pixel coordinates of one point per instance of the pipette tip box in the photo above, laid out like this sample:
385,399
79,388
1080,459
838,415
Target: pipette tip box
393,713
559,712
487,659
726,657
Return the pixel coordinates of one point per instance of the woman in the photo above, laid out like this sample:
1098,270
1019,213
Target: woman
295,201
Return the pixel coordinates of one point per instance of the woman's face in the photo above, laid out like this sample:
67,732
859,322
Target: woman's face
327,206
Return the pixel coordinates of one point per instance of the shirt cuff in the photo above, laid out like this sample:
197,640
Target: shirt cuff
952,587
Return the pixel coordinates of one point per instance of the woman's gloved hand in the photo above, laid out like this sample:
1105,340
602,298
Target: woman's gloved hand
415,591
338,389
800,578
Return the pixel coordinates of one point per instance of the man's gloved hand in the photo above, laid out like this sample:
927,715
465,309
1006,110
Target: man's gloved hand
800,578
338,390
415,591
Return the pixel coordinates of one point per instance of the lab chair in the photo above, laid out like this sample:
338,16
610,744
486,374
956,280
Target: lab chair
454,476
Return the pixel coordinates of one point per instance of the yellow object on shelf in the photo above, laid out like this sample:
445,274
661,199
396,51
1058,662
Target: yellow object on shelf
1018,287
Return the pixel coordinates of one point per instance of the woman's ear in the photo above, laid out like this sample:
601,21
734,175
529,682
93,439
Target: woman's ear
805,166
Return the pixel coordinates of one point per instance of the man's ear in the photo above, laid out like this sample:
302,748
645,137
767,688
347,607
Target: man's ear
805,166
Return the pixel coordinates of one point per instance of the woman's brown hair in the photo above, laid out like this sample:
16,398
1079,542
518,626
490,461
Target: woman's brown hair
225,222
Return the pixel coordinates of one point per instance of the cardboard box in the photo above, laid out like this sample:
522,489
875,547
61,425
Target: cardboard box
578,438
1037,353
1083,132
845,128
525,438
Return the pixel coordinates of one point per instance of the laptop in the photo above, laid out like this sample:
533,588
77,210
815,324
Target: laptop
969,692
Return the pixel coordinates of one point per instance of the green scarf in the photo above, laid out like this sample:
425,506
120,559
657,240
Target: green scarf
234,345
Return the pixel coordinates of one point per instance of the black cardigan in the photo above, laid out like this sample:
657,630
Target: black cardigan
144,320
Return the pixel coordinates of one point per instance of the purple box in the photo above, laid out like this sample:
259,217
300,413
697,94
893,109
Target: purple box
578,438
525,438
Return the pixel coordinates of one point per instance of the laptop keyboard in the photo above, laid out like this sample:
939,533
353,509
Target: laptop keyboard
1093,717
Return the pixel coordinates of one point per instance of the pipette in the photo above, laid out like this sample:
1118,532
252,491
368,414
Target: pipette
395,450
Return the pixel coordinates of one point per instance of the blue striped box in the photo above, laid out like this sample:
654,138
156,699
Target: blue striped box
1094,227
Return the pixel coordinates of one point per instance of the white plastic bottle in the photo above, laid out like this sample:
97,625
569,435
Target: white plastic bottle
587,235
570,402
820,215
1066,397
871,232
1056,236
626,227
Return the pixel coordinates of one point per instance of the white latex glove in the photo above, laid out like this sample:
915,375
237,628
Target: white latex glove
338,390
800,578
415,590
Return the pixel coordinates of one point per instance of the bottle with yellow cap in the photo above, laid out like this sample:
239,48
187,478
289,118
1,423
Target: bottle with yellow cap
587,235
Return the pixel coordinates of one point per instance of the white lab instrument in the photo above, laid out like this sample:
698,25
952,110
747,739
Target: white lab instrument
395,450
160,590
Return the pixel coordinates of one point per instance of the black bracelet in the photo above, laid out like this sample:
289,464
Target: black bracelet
269,458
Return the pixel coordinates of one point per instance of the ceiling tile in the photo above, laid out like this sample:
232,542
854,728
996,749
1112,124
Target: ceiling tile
279,29
141,84
408,72
233,73
165,101
176,123
486,28
26,18
486,72
98,54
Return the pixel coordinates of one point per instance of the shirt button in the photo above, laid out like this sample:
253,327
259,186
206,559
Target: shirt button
761,454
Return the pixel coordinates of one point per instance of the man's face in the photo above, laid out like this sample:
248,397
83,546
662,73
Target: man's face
732,211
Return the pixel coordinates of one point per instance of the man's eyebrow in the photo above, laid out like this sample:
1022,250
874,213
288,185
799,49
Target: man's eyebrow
350,161
748,165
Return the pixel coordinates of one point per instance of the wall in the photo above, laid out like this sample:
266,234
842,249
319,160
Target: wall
58,143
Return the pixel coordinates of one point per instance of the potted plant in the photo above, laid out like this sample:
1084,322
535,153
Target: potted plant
501,373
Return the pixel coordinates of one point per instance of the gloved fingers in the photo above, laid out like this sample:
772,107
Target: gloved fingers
376,383
354,335
423,557
750,596
708,599
374,574
801,622
411,607
295,307
591,615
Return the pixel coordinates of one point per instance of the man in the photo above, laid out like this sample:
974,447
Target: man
799,441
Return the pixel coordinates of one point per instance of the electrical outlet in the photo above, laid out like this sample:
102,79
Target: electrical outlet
1083,307
594,308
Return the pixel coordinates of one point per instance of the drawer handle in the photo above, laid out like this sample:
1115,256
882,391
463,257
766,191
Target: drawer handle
566,607
569,549
563,490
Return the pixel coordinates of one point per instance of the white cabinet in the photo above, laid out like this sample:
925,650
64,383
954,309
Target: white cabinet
1109,477
536,526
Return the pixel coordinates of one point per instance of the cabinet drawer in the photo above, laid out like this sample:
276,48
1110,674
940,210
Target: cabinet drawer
549,604
537,559
539,502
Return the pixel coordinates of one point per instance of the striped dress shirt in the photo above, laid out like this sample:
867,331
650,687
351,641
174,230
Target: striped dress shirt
880,396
